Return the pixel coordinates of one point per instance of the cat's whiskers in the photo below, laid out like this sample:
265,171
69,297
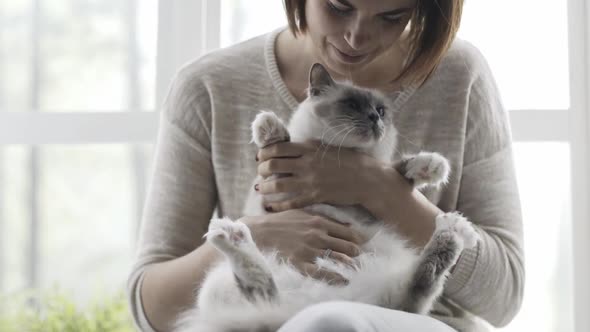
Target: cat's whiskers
354,125
345,122
322,144
327,146
342,141
332,128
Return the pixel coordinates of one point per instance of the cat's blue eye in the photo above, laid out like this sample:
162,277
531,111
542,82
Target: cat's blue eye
380,110
339,10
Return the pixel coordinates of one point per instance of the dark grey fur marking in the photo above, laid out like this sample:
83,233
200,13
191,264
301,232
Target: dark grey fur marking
437,259
266,292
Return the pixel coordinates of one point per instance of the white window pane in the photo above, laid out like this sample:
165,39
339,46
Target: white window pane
14,218
543,171
241,20
89,201
91,55
526,44
15,71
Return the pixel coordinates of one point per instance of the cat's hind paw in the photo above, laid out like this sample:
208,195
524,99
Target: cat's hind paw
460,226
427,169
268,128
250,269
226,234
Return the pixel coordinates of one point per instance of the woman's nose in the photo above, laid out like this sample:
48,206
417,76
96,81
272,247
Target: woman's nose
358,35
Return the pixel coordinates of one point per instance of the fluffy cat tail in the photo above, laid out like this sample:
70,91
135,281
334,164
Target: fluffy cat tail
251,318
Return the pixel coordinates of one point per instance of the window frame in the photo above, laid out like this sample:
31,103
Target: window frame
579,139
198,21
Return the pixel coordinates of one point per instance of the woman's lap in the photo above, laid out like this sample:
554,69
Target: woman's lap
359,317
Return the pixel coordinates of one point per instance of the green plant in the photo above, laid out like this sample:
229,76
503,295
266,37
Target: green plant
55,311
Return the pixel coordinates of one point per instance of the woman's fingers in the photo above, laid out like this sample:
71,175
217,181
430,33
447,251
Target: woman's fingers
298,202
343,231
280,150
318,273
337,256
341,246
289,184
277,166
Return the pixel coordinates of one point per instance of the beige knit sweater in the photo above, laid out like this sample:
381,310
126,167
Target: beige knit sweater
204,162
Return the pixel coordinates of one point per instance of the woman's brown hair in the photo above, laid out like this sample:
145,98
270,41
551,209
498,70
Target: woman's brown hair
433,26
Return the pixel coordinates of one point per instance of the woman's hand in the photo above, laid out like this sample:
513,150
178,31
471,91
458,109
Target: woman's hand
302,237
318,174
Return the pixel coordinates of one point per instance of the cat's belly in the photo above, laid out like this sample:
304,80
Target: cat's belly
381,278
386,262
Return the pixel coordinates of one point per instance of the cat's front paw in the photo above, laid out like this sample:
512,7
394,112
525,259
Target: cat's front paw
427,168
459,225
268,128
226,234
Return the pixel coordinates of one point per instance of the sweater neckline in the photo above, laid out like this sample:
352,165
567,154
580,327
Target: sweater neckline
399,97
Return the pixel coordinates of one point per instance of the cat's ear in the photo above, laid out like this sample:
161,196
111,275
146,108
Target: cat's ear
319,79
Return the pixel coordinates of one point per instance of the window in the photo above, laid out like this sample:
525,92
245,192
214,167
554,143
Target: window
81,80
77,94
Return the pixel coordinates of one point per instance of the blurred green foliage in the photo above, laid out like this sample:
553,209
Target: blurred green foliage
55,311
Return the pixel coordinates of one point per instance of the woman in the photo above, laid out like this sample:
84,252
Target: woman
447,102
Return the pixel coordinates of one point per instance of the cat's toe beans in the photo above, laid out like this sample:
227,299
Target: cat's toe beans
458,224
219,223
241,228
444,222
428,168
268,128
216,234
219,238
224,231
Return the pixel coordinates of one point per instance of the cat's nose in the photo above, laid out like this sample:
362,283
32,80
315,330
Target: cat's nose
374,117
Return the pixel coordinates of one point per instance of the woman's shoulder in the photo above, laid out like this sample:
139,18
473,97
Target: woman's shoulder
465,60
244,60
224,77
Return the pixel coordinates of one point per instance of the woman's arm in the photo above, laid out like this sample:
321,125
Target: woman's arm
169,287
394,199
179,205
180,201
487,280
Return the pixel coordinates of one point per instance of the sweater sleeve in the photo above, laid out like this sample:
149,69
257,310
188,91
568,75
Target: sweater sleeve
489,280
182,193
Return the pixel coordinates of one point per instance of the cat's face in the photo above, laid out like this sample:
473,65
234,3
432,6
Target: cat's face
352,115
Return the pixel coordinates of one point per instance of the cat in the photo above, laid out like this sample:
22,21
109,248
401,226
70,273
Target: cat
258,291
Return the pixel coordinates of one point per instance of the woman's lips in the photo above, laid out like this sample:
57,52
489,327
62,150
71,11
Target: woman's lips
348,58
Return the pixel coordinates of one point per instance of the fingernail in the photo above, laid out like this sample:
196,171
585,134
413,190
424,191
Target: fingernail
256,187
268,208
